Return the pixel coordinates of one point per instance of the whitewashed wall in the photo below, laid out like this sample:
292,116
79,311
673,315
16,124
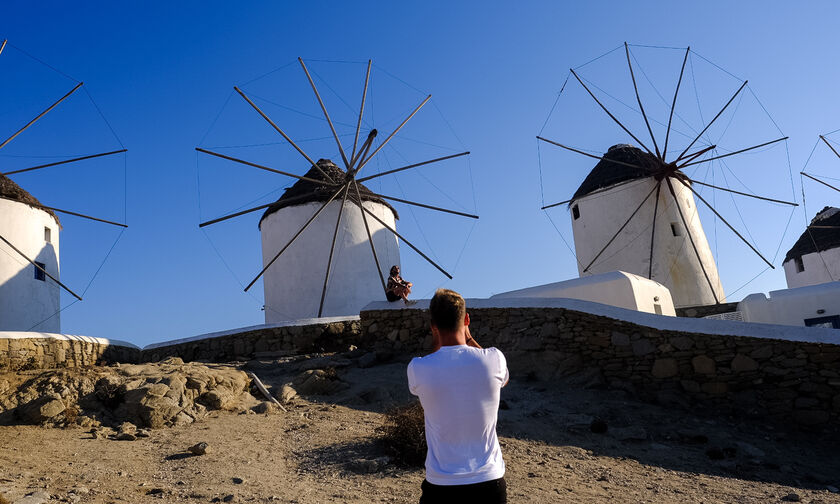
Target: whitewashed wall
25,301
616,288
294,282
793,306
675,264
819,268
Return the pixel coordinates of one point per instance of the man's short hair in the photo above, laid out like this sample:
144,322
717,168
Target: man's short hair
447,309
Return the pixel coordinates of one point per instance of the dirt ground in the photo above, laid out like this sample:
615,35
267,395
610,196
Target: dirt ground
325,449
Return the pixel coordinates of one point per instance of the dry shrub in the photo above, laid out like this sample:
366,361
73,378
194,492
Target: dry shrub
71,414
404,434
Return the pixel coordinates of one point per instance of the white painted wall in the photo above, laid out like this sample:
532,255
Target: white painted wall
675,264
293,284
792,306
616,288
818,268
25,301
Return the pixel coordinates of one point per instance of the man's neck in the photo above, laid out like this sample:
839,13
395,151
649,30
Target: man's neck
454,338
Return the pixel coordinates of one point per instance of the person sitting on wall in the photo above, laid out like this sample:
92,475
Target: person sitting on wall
397,287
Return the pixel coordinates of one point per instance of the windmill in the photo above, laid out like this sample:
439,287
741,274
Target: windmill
815,256
300,230
636,210
30,282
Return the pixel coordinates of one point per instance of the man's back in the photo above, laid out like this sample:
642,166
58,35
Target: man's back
459,388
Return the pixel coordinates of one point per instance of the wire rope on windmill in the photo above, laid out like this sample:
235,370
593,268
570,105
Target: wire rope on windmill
341,152
691,185
815,257
76,166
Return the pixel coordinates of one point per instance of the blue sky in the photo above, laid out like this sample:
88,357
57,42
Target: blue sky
162,72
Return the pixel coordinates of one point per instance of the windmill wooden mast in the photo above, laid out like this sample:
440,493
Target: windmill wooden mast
345,187
664,170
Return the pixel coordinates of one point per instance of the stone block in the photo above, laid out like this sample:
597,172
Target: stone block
682,342
643,347
704,365
762,352
690,386
811,417
619,339
665,368
741,364
714,388
805,402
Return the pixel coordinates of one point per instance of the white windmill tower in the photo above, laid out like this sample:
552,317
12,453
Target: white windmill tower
27,230
29,239
636,211
313,236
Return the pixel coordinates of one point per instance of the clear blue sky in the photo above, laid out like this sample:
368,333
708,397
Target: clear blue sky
161,71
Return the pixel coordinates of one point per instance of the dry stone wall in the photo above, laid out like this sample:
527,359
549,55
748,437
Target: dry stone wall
288,339
50,352
768,378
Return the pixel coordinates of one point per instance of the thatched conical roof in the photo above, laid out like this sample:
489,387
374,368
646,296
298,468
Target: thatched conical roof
320,192
11,191
818,239
606,174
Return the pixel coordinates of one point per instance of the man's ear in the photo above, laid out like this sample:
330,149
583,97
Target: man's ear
466,319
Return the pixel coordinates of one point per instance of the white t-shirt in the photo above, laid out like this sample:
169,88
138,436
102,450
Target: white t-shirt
459,387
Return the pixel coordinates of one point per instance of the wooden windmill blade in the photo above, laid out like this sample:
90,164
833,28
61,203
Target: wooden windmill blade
341,185
661,169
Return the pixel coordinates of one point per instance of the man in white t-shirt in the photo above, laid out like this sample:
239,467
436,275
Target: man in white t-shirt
459,385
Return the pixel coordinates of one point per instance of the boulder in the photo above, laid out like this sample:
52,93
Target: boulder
41,410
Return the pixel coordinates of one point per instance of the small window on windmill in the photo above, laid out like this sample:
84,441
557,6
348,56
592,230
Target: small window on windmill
800,266
675,229
39,271
47,235
576,212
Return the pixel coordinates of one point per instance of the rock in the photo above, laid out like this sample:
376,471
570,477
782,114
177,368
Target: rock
238,481
631,433
142,433
664,368
125,436
264,407
682,342
832,489
598,426
217,400
811,417
41,409
228,498
367,360
201,448
127,428
742,364
364,466
750,450
287,393
643,347
38,497
703,365
619,339
318,382
791,497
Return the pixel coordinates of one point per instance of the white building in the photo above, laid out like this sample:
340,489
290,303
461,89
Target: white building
815,257
29,300
811,306
616,288
607,198
293,284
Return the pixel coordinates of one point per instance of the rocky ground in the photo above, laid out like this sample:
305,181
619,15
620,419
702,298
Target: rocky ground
124,434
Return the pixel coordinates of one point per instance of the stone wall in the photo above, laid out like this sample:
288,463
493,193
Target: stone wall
769,378
326,335
59,351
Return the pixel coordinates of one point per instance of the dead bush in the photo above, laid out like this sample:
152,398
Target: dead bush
109,393
71,414
403,434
